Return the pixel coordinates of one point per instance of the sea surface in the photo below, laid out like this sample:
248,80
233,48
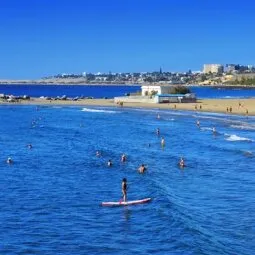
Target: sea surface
51,195
114,91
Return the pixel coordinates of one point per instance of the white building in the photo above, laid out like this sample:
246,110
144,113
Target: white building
148,90
213,68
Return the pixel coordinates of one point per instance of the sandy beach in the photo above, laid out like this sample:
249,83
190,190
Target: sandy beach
234,106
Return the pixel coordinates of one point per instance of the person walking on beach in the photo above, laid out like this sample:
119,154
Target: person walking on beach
124,189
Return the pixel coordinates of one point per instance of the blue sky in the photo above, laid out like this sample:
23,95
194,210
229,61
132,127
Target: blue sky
47,37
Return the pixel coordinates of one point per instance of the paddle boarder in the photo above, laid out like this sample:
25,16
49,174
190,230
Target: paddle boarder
124,189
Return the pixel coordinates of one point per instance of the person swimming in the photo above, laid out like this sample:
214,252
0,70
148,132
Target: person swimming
182,163
29,146
142,169
109,163
157,132
198,123
9,161
123,158
214,130
98,154
124,189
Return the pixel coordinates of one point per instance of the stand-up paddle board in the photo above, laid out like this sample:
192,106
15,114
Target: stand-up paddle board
133,202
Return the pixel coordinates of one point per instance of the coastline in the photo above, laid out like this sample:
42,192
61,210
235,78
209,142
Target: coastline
239,106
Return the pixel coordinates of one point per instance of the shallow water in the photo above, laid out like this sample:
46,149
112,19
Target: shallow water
51,194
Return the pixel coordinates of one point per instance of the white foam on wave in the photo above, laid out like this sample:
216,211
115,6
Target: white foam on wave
97,110
206,128
244,127
236,138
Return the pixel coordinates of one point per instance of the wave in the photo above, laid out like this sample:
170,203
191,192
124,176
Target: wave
206,128
235,138
244,127
97,110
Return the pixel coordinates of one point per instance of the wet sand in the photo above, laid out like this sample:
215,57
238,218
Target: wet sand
239,106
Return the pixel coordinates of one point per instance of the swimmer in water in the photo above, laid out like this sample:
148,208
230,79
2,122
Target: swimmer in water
109,163
142,169
98,154
162,142
123,158
158,117
214,130
157,132
198,123
182,163
9,161
29,146
124,189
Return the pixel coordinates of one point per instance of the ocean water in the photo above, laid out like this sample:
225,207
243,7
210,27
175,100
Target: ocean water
115,90
51,195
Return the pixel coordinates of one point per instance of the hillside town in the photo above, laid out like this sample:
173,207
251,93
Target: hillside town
211,74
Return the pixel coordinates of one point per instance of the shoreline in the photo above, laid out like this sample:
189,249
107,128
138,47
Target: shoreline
239,106
63,83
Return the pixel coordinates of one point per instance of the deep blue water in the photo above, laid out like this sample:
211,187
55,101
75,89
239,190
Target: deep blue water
51,194
113,91
68,90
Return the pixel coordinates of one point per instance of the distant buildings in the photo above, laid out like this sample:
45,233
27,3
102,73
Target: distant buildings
213,68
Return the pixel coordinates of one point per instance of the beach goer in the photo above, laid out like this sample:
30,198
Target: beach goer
124,189
200,107
98,154
182,163
227,109
230,109
142,169
157,131
29,146
247,112
123,158
109,163
198,123
9,161
214,130
175,106
163,142
195,107
158,116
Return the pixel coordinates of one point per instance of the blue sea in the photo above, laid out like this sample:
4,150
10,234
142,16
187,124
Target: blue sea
51,194
115,90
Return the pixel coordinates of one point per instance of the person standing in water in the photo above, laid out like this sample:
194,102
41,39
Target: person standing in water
124,189
182,163
142,169
109,163
198,124
157,132
162,142
123,158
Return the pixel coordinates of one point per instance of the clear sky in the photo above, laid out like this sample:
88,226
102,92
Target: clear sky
46,37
